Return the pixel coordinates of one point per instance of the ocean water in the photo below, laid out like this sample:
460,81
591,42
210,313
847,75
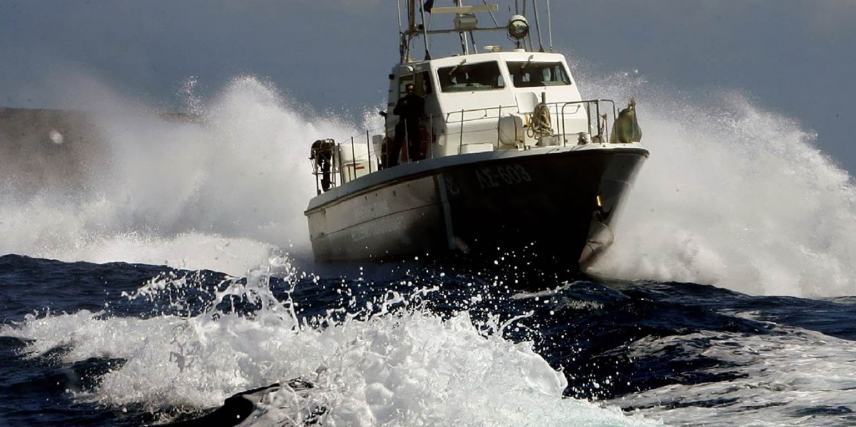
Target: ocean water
151,268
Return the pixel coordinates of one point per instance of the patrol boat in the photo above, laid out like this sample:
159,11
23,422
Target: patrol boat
507,157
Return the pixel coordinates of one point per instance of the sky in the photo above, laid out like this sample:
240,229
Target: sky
794,57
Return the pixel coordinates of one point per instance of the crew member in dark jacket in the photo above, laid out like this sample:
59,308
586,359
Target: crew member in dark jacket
322,153
410,109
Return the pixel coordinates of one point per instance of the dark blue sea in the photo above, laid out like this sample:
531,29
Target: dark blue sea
134,344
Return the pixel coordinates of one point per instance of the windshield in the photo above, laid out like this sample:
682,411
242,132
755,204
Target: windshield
530,74
470,77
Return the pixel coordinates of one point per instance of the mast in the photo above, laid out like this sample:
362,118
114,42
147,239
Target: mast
464,42
411,16
402,38
414,28
424,29
466,24
538,25
398,4
550,25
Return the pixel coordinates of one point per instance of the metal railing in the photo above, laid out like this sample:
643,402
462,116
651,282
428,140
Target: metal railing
343,171
597,131
601,121
557,109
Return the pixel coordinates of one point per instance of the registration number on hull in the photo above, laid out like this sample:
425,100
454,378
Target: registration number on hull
501,176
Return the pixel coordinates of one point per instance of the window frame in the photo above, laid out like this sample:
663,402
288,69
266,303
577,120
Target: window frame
568,81
444,88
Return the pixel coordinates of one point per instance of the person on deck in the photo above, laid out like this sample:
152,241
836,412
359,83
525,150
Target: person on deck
410,109
322,153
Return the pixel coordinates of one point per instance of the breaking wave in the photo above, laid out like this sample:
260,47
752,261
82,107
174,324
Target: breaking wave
735,196
389,368
217,189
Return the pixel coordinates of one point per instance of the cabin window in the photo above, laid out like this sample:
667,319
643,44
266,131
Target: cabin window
532,74
470,77
403,81
422,84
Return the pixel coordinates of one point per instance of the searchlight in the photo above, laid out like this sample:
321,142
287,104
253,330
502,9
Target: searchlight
518,27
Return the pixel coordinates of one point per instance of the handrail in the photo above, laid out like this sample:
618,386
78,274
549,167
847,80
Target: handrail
484,116
588,103
560,109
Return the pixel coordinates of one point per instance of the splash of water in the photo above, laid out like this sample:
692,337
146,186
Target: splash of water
393,368
735,196
215,191
732,195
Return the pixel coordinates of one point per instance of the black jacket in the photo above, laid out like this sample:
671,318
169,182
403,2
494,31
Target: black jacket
410,108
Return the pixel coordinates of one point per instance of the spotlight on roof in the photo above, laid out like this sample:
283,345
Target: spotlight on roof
518,27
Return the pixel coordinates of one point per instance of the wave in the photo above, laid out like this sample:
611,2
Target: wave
394,368
217,189
732,195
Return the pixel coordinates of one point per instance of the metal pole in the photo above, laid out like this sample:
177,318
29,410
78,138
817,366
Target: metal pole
564,136
464,40
406,147
315,172
538,24
424,30
411,17
491,14
549,26
461,139
498,118
431,141
353,158
529,36
369,149
588,113
606,128
338,155
398,3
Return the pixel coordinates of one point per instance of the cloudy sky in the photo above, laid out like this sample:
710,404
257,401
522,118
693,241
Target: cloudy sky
795,57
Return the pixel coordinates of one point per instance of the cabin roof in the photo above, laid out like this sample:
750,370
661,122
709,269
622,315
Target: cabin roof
484,57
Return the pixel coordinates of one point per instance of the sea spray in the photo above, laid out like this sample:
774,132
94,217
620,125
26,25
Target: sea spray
217,190
379,365
732,195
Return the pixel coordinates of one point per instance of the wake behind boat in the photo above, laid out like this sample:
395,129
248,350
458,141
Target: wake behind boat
483,150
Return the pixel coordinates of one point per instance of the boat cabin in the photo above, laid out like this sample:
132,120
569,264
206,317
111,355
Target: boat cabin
486,101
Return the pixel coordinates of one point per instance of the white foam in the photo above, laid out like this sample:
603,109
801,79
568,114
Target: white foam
407,369
735,196
781,380
175,192
732,195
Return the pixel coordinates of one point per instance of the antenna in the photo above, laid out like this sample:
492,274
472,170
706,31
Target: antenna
403,44
398,3
492,16
538,25
529,36
464,41
412,16
424,29
550,25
